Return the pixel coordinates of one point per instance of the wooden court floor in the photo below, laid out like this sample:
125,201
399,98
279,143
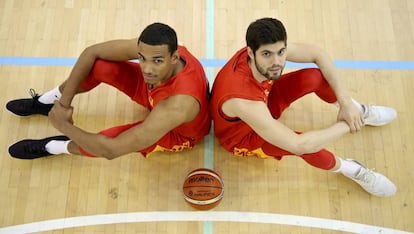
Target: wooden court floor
66,186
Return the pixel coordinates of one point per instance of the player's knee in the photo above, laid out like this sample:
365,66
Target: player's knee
103,68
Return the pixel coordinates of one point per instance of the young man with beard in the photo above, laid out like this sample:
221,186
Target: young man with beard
250,93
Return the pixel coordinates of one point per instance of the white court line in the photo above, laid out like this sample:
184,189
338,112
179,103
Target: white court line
215,216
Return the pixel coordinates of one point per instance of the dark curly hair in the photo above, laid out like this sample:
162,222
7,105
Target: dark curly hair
159,34
265,31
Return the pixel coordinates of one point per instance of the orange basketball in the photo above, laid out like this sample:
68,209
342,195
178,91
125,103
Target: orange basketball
203,189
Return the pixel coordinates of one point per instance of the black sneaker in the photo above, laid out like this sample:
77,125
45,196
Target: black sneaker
29,106
31,149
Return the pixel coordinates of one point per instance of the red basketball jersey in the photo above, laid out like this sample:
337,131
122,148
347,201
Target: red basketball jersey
235,80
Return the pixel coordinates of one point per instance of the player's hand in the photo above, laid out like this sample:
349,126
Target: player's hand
352,116
60,115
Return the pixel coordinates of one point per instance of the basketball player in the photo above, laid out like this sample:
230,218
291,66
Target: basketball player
250,93
168,81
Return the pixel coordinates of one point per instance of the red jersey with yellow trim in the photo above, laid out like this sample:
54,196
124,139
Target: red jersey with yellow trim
235,80
191,80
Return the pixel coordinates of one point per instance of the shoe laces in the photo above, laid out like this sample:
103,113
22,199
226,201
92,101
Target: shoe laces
33,93
35,96
367,176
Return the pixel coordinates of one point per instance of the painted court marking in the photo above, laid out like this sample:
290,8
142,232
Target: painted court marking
186,216
211,62
209,139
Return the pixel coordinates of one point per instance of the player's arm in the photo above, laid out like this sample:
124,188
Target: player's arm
312,54
257,116
116,50
167,115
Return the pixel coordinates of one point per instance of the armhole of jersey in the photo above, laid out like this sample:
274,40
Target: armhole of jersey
223,115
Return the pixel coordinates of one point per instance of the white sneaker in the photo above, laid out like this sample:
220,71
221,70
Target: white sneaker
373,182
378,115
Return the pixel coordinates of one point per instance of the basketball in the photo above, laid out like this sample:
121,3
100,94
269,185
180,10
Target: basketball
203,189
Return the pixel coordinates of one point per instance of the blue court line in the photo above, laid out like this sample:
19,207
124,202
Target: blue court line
211,62
37,61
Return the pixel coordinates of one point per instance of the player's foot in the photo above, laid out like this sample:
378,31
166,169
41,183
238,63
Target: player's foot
378,115
31,149
29,106
373,182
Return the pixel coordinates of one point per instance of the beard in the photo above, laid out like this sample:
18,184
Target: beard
265,72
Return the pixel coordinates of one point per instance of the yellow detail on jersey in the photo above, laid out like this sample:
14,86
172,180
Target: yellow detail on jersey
175,148
253,153
151,101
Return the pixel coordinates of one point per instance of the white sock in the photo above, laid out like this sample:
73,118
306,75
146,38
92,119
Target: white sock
357,104
349,168
57,147
50,96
